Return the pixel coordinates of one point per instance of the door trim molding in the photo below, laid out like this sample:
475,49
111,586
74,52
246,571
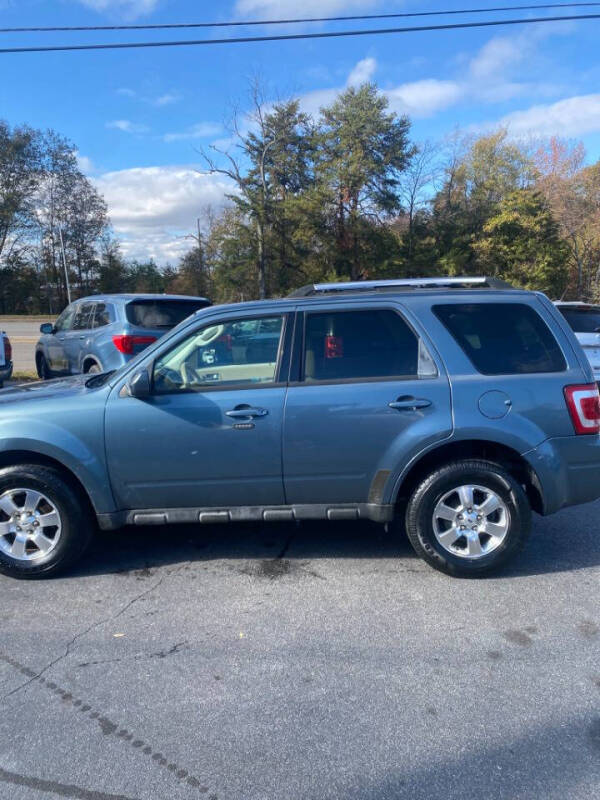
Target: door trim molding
281,513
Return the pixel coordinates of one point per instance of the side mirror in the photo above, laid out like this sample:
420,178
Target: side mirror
46,327
139,385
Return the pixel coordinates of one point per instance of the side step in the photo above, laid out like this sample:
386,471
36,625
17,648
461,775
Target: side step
214,516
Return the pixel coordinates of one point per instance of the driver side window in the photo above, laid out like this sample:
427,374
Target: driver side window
240,352
63,323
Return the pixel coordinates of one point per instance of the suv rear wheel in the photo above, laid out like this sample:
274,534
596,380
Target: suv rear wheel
468,518
44,526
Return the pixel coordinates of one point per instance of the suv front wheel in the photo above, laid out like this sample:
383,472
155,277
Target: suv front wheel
44,525
468,518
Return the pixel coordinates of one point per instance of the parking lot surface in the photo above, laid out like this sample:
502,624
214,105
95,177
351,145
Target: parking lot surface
318,661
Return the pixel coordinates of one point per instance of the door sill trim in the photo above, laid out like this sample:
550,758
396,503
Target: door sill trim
281,513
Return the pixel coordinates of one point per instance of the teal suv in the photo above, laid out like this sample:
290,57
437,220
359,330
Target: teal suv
451,408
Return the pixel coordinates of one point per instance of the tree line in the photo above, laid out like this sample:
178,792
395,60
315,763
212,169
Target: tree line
345,195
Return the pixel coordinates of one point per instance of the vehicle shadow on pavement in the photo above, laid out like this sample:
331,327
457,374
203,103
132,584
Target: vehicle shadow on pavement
526,766
566,541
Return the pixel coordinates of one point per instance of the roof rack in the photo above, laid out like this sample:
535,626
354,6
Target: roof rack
402,283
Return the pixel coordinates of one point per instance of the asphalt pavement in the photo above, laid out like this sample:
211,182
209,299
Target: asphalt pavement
295,662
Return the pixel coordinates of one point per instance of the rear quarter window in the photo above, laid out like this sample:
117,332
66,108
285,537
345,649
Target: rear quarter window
503,338
160,313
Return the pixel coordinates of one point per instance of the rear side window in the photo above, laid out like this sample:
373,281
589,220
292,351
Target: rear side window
103,315
582,320
163,314
348,345
503,338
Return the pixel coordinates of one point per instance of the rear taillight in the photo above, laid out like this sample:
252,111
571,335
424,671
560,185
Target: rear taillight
7,350
125,343
583,403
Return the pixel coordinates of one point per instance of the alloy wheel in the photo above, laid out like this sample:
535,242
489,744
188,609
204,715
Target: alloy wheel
471,521
30,524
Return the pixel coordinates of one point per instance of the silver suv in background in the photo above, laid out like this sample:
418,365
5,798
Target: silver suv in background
103,332
585,321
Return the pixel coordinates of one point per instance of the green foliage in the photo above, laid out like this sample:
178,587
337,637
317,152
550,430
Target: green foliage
520,244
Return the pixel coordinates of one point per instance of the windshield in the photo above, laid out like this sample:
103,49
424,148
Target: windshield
164,314
582,320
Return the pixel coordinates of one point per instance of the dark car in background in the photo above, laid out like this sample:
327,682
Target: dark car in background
6,364
103,332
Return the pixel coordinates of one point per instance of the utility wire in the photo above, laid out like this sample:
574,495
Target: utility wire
237,23
294,36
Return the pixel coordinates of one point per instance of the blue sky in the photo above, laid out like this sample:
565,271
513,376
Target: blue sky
139,116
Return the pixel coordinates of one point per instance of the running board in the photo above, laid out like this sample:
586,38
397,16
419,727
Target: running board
214,516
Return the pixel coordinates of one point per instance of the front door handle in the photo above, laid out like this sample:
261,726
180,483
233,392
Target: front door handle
246,412
407,403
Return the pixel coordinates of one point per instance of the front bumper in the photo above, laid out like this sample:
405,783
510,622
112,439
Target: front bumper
568,470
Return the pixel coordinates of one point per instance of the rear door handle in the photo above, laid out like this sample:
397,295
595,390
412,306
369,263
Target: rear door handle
410,403
248,411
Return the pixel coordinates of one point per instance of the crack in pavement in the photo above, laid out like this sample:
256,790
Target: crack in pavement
89,629
176,648
107,725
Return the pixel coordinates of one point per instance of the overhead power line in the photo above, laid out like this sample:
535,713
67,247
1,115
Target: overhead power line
296,21
296,36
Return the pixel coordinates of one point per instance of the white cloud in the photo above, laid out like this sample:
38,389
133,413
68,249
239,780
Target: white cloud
201,130
299,8
362,72
126,126
84,163
166,99
491,76
153,208
129,8
424,98
571,117
419,98
497,56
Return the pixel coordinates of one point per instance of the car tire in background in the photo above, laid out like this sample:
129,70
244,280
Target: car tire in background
468,518
43,370
45,525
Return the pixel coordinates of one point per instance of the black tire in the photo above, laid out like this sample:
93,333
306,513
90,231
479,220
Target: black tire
421,506
43,370
93,369
76,520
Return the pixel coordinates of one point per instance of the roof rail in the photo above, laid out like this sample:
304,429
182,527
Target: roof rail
402,283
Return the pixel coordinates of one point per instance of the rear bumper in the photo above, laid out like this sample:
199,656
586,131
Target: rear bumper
568,470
